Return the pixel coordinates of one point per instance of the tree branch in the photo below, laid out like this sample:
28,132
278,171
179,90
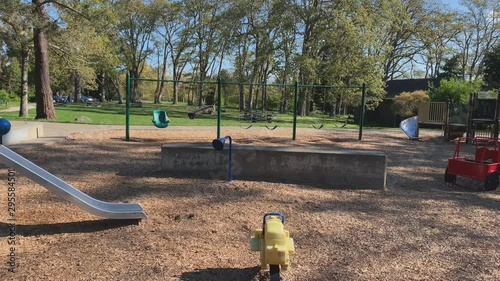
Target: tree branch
64,6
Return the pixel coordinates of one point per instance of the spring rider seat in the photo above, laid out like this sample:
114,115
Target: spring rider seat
274,244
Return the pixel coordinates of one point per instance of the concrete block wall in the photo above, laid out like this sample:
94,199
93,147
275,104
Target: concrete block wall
20,133
322,167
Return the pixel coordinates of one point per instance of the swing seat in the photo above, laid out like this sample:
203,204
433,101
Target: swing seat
160,118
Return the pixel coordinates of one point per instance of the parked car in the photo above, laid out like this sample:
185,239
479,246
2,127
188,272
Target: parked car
59,99
87,99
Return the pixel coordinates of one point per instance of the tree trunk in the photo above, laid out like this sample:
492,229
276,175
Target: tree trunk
116,85
44,104
302,102
100,86
250,97
157,89
159,96
23,108
256,102
200,92
175,98
242,97
77,87
134,85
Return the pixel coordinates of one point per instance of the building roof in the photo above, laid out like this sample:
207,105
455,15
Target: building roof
396,87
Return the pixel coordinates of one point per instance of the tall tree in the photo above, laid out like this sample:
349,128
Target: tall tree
399,25
135,27
451,68
312,23
177,35
480,30
491,64
80,51
204,18
442,28
44,103
16,32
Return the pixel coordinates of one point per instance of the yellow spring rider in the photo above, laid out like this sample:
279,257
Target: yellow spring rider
274,244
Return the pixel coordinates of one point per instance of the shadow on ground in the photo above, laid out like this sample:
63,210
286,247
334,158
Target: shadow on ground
68,227
221,274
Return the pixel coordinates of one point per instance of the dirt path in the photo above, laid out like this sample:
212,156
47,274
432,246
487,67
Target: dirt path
16,108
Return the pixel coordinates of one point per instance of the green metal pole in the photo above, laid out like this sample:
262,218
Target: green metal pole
362,111
127,109
295,105
219,108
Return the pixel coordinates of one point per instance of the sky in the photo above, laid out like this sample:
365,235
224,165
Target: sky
455,4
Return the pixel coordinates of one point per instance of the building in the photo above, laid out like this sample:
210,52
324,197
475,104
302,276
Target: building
383,115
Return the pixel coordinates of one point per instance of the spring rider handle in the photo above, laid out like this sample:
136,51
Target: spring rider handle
274,214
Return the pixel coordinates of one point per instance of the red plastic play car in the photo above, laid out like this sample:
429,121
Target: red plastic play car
485,166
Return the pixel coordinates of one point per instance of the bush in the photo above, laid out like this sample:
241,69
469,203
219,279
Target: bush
4,95
14,98
406,103
454,90
10,97
31,94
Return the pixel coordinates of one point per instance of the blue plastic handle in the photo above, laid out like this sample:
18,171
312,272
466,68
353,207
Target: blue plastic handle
274,214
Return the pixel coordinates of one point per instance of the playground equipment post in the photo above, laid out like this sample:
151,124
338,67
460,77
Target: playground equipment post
219,110
127,109
295,104
362,111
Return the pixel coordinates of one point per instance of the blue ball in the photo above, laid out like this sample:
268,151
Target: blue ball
4,126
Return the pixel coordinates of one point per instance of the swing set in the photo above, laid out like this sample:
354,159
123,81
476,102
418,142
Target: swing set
257,116
333,106
161,120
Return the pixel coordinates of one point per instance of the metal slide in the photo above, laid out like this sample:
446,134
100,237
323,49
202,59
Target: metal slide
410,127
68,192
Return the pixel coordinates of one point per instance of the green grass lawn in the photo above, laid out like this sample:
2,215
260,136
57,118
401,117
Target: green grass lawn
111,113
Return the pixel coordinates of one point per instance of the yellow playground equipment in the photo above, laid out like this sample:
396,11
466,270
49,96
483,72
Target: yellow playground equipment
274,244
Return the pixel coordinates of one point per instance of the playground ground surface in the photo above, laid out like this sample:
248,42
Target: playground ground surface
419,229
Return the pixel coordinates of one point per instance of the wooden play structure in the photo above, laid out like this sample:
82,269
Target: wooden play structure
480,118
483,115
438,113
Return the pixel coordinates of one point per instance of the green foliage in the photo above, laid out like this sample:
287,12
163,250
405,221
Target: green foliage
4,95
491,65
342,43
11,78
451,68
406,103
454,90
7,96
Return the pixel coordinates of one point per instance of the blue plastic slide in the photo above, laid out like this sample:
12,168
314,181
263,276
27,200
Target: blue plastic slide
410,127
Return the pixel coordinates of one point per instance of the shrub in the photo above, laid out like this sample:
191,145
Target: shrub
406,103
10,97
4,95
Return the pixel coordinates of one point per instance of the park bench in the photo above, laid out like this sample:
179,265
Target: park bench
60,103
136,104
94,104
257,116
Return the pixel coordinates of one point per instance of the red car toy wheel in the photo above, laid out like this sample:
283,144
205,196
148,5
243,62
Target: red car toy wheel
491,182
449,178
